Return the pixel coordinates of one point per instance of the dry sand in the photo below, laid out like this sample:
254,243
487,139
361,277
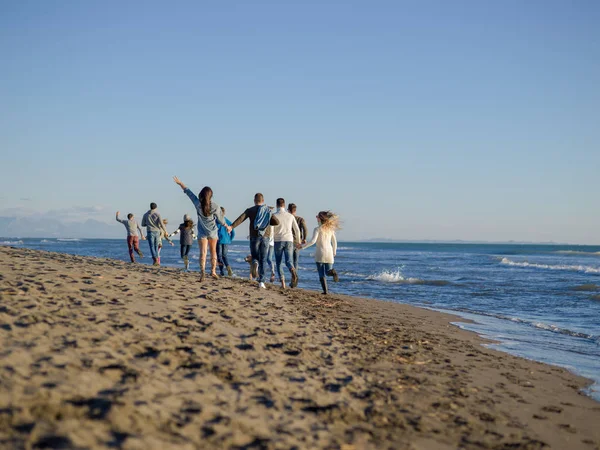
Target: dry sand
97,353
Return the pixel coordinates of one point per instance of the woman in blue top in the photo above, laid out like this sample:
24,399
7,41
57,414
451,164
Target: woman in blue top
209,213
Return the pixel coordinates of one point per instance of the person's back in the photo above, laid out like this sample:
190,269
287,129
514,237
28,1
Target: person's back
259,238
287,228
284,242
186,234
154,226
152,221
131,226
324,247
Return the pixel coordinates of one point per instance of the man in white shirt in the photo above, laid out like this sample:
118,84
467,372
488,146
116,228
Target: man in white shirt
286,235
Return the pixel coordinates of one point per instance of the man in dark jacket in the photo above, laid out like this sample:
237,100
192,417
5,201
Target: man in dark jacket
259,242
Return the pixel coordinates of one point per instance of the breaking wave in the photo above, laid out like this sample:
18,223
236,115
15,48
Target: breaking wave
388,276
573,268
68,240
19,242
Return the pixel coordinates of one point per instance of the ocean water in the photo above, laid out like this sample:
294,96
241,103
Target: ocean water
541,302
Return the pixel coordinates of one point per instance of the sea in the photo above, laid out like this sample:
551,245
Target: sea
540,302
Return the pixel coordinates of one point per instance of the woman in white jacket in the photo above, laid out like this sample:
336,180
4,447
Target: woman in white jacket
326,248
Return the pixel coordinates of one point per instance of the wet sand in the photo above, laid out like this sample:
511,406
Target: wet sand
98,353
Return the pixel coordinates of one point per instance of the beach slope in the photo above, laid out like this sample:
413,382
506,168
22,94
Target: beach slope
101,353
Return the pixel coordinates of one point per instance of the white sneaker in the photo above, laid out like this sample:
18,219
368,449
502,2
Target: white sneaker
261,285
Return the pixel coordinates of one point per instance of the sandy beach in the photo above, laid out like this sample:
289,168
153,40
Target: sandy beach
98,353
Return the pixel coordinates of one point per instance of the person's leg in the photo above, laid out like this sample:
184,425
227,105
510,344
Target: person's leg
225,258
322,278
332,273
255,252
263,249
296,257
212,244
130,247
278,249
271,261
153,244
136,246
220,258
288,251
183,251
203,243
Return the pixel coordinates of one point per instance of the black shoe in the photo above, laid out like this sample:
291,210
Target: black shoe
333,273
139,252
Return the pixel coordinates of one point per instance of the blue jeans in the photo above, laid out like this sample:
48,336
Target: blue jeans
185,250
222,256
270,261
296,257
323,268
259,248
153,238
283,248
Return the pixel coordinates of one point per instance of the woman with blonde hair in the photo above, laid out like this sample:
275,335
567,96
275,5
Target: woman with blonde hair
209,213
326,248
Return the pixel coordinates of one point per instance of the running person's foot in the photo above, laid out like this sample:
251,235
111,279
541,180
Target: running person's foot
261,285
272,278
139,252
201,275
229,271
333,273
254,269
214,275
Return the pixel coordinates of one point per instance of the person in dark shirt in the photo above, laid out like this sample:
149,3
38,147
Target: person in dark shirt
259,241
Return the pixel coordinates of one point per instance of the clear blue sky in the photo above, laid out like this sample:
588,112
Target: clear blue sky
413,120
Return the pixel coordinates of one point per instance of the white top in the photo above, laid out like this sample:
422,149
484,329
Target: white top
287,223
271,240
326,245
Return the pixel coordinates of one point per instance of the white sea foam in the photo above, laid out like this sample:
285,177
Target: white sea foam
388,276
19,242
573,268
69,240
45,241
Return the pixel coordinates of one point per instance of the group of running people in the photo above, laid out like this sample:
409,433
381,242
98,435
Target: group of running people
273,232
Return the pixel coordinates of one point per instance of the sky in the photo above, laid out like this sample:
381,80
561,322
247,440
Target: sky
473,120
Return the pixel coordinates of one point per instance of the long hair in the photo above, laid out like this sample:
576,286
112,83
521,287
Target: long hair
329,221
205,200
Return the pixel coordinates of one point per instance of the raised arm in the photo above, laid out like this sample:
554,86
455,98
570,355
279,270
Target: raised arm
188,192
313,240
117,218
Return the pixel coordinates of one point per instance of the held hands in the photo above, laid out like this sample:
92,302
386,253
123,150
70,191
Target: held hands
171,242
228,228
179,182
143,238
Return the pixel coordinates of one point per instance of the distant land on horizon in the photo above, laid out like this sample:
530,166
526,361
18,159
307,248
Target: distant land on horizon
30,227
